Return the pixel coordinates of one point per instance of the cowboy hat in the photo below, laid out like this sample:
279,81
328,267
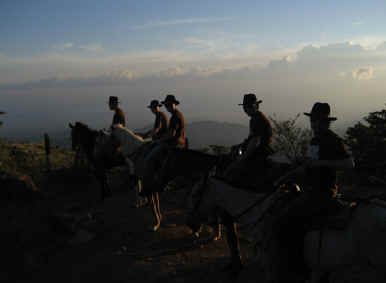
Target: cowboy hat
113,99
321,111
250,99
154,103
170,99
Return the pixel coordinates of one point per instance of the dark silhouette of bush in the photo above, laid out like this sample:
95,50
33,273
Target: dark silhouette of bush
2,113
367,142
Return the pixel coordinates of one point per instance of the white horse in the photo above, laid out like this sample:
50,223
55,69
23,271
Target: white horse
105,147
356,253
133,149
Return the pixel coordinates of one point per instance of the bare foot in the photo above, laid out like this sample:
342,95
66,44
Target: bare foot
154,228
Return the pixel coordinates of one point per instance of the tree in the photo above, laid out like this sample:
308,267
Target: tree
290,139
368,142
2,113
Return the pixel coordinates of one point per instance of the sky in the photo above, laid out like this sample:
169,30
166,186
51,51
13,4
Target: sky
60,60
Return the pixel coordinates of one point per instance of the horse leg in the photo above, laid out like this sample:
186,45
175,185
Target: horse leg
156,194
76,159
218,235
139,200
233,242
155,212
105,188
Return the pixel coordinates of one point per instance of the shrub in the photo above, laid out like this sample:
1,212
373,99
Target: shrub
290,139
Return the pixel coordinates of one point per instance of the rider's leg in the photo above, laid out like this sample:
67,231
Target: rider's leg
233,244
155,212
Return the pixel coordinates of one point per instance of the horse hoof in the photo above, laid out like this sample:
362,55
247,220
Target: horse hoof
154,228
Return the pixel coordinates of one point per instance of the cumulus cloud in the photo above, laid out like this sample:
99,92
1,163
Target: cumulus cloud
338,61
363,73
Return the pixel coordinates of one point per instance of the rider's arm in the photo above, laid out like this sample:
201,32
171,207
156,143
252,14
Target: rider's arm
153,132
156,128
167,137
252,145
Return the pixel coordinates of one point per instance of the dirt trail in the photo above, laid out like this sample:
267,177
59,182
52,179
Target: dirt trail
124,250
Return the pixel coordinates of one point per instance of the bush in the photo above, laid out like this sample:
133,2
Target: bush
2,113
367,142
290,139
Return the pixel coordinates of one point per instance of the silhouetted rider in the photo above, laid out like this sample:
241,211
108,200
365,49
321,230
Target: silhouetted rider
326,154
160,126
256,148
119,115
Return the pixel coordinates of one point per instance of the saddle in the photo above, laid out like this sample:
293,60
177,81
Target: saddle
256,179
337,219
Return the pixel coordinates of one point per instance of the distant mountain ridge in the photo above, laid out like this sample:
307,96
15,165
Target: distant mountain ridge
204,133
200,134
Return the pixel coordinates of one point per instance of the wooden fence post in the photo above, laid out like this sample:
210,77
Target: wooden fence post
47,148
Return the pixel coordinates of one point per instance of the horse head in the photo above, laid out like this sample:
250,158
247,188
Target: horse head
82,137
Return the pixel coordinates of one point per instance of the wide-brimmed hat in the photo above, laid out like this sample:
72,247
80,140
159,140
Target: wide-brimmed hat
250,99
170,99
113,99
154,103
321,111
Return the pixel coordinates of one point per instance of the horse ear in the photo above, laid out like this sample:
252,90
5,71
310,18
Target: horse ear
70,125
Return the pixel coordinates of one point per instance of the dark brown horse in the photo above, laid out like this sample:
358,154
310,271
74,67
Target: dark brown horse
98,149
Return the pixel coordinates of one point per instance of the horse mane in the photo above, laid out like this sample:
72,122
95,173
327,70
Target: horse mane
195,160
83,126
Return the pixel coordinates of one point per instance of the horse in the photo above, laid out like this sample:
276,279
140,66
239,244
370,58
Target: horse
329,253
98,150
178,163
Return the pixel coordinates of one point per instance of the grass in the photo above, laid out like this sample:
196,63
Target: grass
30,159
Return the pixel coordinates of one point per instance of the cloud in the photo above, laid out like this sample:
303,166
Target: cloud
92,47
363,73
66,45
180,22
368,42
85,47
381,47
358,23
200,43
338,61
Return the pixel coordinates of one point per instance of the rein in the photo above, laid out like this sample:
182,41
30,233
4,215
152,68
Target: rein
260,200
257,202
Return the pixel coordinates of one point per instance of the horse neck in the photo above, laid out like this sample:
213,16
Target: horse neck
87,138
130,143
191,161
